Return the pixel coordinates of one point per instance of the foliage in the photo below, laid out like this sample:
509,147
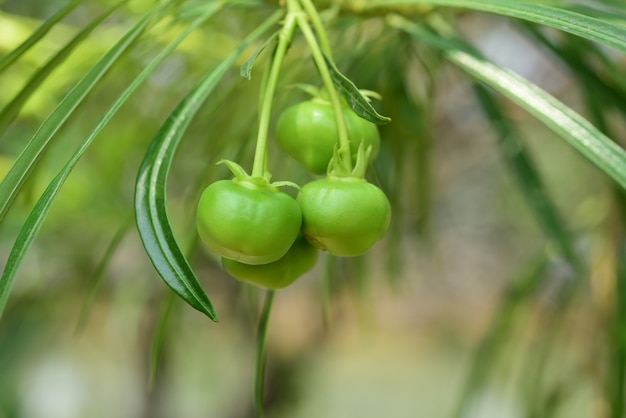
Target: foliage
117,111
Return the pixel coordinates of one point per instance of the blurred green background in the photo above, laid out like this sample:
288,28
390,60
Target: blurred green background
466,309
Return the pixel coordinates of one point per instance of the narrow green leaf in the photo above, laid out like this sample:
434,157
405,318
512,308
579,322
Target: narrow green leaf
569,125
10,111
521,166
246,68
150,193
41,31
592,28
610,87
359,104
36,218
28,159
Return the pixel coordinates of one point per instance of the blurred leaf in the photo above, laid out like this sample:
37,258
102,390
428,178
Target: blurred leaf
515,298
28,159
150,192
12,56
609,86
98,274
158,338
261,357
359,104
592,28
36,218
527,177
572,127
246,68
10,111
617,333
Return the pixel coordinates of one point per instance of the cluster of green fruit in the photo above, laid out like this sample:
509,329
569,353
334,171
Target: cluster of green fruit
268,238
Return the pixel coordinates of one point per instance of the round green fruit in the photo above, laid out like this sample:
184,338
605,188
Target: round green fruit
248,223
307,132
300,258
344,216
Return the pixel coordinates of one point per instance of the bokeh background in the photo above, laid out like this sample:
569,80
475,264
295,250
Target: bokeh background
466,309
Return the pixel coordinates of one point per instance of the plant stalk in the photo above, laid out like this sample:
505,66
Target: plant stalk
319,27
284,38
261,352
318,57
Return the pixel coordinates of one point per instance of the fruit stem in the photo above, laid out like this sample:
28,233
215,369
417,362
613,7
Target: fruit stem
261,350
322,68
319,27
284,38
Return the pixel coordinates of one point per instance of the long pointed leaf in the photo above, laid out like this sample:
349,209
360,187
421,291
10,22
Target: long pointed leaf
36,218
41,31
569,125
609,85
27,160
150,194
592,28
10,111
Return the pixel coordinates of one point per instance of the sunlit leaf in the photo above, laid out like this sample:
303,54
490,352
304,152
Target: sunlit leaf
28,159
12,56
10,111
36,218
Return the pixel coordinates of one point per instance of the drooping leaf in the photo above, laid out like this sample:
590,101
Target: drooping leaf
36,218
41,31
150,194
359,104
592,28
569,125
28,159
246,68
10,111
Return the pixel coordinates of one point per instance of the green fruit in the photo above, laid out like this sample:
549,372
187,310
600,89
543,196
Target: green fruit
307,132
300,258
248,223
344,216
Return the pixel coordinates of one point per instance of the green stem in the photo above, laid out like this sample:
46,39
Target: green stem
284,38
318,57
319,27
261,349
